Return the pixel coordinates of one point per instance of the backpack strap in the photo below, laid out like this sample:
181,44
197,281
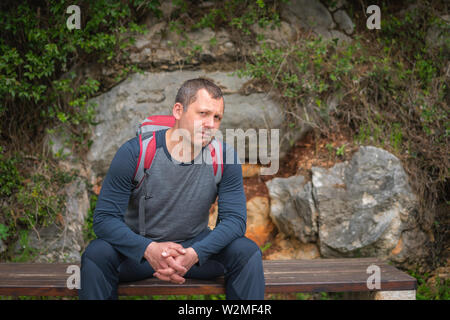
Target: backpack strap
147,143
146,155
147,150
215,150
155,123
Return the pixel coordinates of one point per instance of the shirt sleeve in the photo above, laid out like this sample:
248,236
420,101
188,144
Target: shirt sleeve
232,209
112,203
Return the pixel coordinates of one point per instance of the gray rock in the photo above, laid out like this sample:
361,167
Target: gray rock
344,22
63,243
278,36
167,7
363,206
292,207
335,34
2,246
438,34
309,14
336,4
313,15
161,47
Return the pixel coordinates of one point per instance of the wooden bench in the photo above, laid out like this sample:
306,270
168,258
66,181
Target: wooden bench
282,276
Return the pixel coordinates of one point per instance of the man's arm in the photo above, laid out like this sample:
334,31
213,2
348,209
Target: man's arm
112,204
232,210
110,209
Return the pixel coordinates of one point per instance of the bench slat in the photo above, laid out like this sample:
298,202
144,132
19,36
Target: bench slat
319,275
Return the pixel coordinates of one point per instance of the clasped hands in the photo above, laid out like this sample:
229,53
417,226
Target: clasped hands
170,260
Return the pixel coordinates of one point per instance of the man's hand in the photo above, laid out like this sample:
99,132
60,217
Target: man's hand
161,256
186,260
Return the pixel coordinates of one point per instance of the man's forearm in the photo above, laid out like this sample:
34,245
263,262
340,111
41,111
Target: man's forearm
222,235
113,230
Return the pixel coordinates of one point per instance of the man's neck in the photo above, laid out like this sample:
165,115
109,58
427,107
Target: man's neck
180,148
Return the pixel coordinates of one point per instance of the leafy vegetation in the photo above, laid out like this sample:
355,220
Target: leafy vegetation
439,289
42,88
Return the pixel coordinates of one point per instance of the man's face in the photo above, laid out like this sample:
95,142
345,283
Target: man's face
202,118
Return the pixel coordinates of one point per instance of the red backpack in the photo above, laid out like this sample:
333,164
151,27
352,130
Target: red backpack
147,147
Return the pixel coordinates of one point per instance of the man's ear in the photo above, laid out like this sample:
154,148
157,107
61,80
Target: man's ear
177,110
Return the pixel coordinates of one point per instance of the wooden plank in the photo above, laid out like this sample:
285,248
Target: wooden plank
319,275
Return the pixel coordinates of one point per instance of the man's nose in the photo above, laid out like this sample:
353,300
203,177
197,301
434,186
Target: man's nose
209,122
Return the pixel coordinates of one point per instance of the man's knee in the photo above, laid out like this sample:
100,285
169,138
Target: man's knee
242,249
99,251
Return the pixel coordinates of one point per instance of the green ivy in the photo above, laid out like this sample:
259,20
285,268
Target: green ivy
40,57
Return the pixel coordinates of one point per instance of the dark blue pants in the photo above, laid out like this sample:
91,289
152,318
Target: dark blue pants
103,267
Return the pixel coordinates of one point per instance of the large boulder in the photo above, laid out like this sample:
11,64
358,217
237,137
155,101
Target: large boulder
309,14
363,206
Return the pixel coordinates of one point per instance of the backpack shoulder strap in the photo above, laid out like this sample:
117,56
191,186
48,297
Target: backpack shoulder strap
215,149
155,123
147,150
147,143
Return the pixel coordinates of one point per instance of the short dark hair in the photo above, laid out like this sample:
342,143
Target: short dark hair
187,93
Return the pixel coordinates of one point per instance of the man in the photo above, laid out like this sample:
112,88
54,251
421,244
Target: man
177,242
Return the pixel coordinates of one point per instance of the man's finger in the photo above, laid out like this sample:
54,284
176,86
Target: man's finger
161,277
166,272
175,265
170,252
175,278
163,264
177,247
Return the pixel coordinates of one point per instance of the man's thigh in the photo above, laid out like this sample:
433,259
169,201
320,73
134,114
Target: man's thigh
129,270
209,270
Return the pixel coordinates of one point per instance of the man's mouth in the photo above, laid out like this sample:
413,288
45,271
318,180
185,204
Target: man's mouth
206,134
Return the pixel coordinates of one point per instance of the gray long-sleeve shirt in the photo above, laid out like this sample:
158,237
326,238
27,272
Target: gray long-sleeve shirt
177,224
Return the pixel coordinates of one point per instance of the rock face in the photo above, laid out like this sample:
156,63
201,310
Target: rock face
309,14
312,15
289,248
361,208
124,107
63,241
344,22
259,224
170,48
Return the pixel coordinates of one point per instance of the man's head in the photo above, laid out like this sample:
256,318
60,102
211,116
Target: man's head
198,109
